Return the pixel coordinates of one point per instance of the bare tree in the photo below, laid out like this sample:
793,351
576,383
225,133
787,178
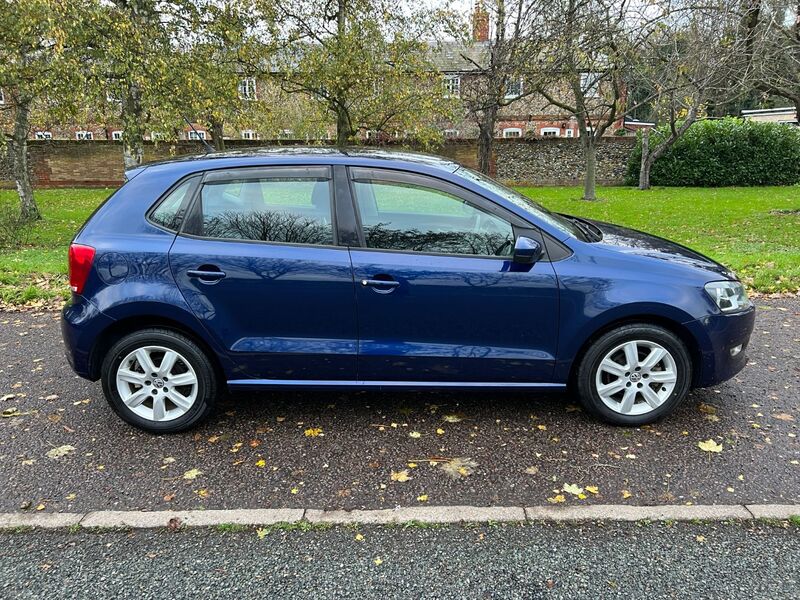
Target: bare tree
592,47
771,29
687,63
504,68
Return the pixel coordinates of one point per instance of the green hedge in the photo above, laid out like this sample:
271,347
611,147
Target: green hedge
725,152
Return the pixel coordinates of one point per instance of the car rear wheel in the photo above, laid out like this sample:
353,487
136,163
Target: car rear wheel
635,374
159,380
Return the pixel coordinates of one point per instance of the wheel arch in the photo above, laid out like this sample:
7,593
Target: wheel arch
671,325
131,324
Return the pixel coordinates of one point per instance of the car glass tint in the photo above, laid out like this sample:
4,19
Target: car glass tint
291,210
168,214
400,216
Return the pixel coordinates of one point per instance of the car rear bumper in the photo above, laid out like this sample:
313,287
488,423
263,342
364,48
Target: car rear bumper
81,323
723,344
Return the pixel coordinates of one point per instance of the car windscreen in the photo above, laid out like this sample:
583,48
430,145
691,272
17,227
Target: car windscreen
522,201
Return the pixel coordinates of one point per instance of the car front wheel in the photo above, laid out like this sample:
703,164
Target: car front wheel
635,374
159,380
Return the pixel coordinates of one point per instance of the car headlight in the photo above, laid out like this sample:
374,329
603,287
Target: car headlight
729,296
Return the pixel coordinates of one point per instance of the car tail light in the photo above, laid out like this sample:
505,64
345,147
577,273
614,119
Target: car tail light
80,263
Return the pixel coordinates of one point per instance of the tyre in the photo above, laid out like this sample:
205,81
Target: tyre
635,374
159,381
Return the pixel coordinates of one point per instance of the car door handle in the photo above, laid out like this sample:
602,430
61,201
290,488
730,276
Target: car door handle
206,274
380,283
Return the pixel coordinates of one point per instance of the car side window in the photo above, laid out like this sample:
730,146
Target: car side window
169,212
418,218
286,209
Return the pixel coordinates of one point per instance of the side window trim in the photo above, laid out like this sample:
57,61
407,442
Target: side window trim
194,211
186,203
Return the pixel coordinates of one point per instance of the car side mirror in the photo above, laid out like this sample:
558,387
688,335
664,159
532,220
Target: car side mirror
527,251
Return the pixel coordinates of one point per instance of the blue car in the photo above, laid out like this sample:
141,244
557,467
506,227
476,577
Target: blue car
361,268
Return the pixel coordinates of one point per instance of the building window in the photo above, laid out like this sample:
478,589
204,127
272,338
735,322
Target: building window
44,135
84,135
2,97
514,89
247,88
157,135
550,132
116,136
249,134
512,132
197,135
570,132
285,134
590,84
452,86
451,133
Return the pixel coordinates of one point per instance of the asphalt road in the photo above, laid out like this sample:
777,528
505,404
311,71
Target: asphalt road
532,561
515,448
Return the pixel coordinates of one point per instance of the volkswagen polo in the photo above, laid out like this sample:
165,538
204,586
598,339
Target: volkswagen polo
362,268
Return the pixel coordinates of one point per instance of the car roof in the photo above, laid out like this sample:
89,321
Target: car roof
288,154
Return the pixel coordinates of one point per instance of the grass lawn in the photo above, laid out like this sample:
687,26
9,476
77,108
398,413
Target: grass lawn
752,230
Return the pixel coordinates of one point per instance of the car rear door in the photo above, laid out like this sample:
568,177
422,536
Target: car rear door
258,262
438,296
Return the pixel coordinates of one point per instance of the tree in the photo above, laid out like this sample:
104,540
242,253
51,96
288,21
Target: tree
588,59
42,46
501,69
686,64
364,61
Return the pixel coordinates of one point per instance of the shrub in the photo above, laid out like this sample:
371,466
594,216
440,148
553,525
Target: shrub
725,152
14,230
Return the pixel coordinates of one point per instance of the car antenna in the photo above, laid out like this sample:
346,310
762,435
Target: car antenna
209,148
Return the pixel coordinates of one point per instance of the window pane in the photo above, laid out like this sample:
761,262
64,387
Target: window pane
398,216
289,210
169,214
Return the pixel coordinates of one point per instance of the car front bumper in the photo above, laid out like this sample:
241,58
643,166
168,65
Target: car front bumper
723,341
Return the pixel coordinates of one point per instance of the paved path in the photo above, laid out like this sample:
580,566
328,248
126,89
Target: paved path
520,449
681,560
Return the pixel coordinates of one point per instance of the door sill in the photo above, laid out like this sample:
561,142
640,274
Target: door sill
256,383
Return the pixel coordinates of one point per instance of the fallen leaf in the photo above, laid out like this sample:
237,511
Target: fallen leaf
60,451
313,432
192,474
203,493
422,498
458,467
557,499
359,537
294,490
415,434
708,409
573,489
532,470
400,476
378,561
40,507
262,533
700,538
169,497
261,463
236,447
7,397
783,417
541,427
592,489
452,418
626,494
709,446
440,431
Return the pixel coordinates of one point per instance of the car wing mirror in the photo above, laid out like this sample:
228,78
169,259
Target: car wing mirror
527,251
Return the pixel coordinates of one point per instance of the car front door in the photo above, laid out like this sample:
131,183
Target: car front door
438,296
257,261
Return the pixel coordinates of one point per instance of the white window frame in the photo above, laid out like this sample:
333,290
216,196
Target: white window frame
116,135
590,84
43,135
509,131
569,132
197,135
248,134
84,135
2,96
544,131
451,84
451,133
512,95
247,89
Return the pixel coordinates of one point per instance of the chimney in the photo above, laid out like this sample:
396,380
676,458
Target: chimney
480,23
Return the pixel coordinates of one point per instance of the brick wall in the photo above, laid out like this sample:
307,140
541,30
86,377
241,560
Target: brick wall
62,163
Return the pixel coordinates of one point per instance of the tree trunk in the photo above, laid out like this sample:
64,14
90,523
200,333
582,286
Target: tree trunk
217,127
644,169
18,147
486,140
133,137
590,178
343,131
